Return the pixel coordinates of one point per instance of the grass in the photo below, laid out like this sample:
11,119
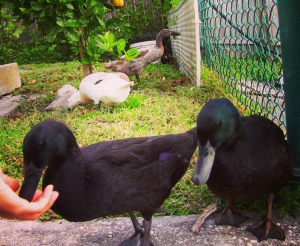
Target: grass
165,101
257,69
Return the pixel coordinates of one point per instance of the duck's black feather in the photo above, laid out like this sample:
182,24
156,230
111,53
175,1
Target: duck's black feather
108,178
241,158
257,163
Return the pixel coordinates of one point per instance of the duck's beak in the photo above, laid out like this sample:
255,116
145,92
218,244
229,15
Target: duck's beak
204,164
175,33
31,181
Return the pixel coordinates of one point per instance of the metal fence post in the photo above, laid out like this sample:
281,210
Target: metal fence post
289,23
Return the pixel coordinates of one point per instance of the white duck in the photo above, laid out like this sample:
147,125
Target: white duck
107,88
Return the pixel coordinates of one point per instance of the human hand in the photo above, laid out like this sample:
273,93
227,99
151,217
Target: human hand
12,206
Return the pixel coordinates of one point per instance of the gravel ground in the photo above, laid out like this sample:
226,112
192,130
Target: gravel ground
166,231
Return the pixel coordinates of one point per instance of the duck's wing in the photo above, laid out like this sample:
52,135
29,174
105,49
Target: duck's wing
169,147
100,150
143,53
150,55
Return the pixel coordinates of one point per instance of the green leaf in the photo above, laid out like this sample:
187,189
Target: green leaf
113,23
97,56
103,38
101,51
102,47
89,52
93,2
76,23
135,55
25,10
89,12
282,213
69,6
85,60
53,32
81,9
72,34
36,6
132,51
101,22
42,14
110,37
92,42
61,22
92,25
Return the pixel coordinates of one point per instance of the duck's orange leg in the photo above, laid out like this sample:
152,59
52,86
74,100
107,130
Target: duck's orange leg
231,216
266,228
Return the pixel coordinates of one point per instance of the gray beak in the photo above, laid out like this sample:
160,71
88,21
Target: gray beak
31,181
175,34
204,164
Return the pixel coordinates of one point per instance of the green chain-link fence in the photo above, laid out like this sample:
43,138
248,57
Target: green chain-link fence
240,40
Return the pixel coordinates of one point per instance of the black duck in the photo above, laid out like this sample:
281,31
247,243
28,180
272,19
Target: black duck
241,158
106,178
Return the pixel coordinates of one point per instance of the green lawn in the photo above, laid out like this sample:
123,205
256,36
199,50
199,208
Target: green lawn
165,101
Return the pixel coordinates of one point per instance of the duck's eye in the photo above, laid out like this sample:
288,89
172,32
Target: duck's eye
40,145
217,125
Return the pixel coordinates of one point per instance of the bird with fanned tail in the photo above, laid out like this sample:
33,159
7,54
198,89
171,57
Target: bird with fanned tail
147,56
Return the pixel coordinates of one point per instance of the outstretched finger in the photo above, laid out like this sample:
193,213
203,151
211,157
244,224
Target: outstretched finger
47,199
35,209
37,195
13,184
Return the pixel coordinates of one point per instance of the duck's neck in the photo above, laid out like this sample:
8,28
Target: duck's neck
239,131
159,40
65,165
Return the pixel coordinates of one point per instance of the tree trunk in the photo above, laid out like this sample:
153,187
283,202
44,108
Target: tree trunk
87,68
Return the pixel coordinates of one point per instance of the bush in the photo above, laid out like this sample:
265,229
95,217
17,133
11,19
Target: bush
44,53
9,36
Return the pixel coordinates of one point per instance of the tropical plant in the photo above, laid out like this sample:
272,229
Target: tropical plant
10,31
80,21
108,44
141,20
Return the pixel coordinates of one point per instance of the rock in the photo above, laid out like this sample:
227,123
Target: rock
63,94
9,78
9,103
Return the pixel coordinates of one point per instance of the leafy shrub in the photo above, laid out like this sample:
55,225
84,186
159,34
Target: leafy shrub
9,36
41,53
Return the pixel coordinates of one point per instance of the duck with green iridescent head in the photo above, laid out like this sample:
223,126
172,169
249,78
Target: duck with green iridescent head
241,158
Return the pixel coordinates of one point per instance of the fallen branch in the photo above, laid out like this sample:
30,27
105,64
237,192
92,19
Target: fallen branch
207,212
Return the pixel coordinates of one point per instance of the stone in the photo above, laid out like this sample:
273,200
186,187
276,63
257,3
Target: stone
9,103
63,94
9,78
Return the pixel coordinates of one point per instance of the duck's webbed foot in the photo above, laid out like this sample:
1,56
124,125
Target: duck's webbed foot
141,236
134,240
231,216
266,228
